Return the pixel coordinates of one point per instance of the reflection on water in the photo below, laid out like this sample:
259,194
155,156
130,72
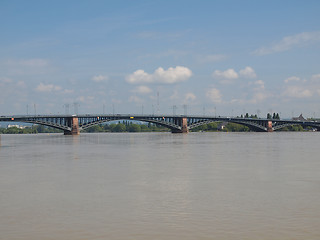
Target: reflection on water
160,186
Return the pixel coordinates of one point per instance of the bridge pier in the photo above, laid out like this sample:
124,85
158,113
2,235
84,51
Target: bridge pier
183,122
269,126
73,122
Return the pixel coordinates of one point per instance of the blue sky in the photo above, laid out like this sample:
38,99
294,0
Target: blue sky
204,57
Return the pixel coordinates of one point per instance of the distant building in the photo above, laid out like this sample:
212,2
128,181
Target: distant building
17,126
222,126
300,118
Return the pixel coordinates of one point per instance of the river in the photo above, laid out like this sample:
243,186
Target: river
121,186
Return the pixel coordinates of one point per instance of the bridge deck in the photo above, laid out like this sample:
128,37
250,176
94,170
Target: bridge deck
73,124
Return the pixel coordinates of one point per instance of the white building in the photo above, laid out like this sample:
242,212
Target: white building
17,126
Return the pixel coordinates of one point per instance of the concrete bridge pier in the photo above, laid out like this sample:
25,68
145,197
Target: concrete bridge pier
269,126
183,122
72,122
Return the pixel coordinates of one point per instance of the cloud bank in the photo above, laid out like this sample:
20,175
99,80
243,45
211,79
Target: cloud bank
297,88
228,76
47,88
289,42
142,90
169,76
214,95
99,78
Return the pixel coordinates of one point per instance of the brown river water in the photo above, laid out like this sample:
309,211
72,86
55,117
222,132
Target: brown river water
160,186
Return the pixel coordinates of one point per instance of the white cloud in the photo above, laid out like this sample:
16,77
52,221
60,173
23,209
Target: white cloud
117,101
139,76
292,79
5,80
315,77
170,76
142,90
47,88
258,85
175,95
68,91
28,66
99,78
289,42
254,94
190,97
297,92
81,99
258,97
85,99
228,74
21,84
302,88
135,99
214,95
248,72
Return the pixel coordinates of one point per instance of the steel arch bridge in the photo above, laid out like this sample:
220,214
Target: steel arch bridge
73,124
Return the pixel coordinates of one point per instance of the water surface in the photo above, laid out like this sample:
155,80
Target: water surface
160,186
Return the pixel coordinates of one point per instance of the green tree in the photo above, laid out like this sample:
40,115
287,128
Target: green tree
145,128
212,126
120,127
134,128
95,128
234,127
296,128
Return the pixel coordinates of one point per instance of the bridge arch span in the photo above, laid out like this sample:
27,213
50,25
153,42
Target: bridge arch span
167,124
48,124
251,124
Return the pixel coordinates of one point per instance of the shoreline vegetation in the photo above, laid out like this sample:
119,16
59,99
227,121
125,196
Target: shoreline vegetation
127,126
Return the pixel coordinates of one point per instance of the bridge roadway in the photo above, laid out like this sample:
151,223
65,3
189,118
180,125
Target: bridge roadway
73,124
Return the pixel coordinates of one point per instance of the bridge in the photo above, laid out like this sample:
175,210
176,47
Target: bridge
73,124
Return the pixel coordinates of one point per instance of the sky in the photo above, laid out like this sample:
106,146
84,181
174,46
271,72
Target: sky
200,57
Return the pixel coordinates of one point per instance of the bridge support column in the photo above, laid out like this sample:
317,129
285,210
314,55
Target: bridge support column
73,122
269,126
184,126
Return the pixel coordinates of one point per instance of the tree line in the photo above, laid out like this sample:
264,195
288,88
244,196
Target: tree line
269,116
29,130
126,126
